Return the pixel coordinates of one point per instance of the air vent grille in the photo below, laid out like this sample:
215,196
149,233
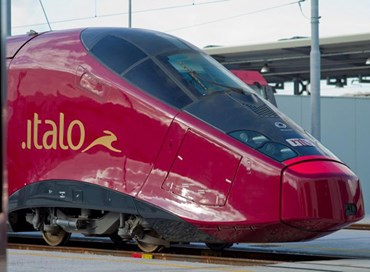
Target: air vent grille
262,110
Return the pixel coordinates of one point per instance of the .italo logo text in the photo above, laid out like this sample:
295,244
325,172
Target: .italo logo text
59,135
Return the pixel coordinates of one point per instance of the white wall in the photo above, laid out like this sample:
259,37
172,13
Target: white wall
345,130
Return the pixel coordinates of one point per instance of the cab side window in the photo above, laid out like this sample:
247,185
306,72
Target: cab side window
117,54
150,78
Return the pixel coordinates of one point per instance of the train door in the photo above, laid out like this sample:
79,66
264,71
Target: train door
202,171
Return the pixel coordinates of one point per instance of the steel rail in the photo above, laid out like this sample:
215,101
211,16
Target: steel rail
187,253
155,256
359,226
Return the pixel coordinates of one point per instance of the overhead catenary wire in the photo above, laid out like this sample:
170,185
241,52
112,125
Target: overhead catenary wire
300,7
234,16
46,16
96,15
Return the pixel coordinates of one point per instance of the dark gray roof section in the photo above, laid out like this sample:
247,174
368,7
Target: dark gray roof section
149,41
289,59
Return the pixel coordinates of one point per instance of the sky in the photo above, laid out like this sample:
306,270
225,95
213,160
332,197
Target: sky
201,22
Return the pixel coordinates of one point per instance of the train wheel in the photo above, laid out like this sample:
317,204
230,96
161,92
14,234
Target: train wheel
218,247
57,238
149,247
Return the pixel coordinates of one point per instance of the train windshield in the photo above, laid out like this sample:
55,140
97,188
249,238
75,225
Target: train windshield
201,74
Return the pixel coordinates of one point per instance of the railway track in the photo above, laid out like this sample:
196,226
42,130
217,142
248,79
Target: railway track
189,253
359,226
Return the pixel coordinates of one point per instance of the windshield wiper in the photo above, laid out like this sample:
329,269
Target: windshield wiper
194,75
198,79
231,88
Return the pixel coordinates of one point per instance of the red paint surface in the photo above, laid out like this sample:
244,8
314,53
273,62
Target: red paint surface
314,195
250,77
167,157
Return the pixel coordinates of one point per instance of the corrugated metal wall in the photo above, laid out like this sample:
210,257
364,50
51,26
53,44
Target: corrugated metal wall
345,130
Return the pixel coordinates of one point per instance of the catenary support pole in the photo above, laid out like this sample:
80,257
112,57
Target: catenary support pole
315,71
129,14
3,185
8,17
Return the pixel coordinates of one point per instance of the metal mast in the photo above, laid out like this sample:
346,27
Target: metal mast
315,71
3,187
129,14
8,17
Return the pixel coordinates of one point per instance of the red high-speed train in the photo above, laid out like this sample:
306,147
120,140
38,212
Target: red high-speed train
138,135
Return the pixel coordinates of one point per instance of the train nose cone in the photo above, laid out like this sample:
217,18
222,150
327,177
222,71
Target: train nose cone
320,195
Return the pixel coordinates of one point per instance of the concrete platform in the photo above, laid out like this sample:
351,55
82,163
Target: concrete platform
341,244
25,261
353,245
41,261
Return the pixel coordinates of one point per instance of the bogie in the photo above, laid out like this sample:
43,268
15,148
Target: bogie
57,225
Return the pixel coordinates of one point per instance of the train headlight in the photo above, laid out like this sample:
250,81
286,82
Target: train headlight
251,138
277,151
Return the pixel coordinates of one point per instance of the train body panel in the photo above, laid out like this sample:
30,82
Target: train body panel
135,134
65,123
315,195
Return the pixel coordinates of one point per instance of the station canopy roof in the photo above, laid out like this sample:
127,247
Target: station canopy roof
288,60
